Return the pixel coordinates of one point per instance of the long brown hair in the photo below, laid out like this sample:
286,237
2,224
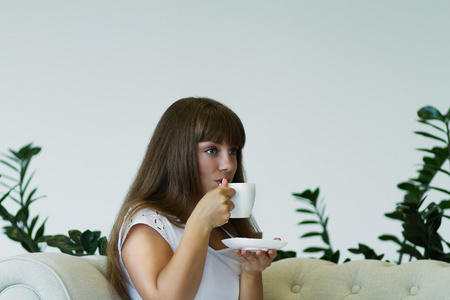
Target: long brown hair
168,179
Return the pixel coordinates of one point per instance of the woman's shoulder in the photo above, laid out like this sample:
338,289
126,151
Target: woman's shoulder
146,212
148,216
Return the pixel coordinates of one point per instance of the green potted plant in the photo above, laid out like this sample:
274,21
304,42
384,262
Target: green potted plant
25,229
421,218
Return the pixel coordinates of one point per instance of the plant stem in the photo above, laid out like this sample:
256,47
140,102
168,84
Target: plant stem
448,140
13,222
400,258
324,227
21,191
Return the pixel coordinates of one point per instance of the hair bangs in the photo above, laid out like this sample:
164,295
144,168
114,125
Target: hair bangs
220,124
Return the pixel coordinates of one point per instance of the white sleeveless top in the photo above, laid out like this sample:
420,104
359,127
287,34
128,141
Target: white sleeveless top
220,279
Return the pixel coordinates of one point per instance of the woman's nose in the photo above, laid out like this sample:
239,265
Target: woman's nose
227,163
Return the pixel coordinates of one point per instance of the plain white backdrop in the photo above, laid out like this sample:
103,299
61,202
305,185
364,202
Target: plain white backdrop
328,92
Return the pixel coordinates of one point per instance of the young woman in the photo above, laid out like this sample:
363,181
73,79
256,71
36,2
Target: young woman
167,240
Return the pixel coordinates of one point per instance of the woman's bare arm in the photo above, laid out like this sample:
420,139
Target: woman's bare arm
253,263
159,273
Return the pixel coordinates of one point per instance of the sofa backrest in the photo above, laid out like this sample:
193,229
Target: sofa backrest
303,278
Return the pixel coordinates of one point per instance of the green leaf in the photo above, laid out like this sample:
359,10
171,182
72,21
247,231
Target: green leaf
408,249
430,113
12,158
103,245
30,197
89,241
315,195
413,197
96,234
322,212
7,186
26,152
9,178
388,237
440,190
407,186
432,162
6,195
335,257
283,255
33,223
325,237
35,150
55,240
308,195
23,172
308,222
444,171
311,234
396,215
437,151
432,125
28,183
63,243
75,235
22,153
26,246
415,230
431,136
15,199
304,210
314,249
13,233
368,252
22,215
432,166
9,165
444,204
5,214
40,231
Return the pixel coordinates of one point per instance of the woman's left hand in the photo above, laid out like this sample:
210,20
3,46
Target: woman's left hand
253,263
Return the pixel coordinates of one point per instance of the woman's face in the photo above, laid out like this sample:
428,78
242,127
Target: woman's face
215,162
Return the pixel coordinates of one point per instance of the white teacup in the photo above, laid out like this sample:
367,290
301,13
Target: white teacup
243,200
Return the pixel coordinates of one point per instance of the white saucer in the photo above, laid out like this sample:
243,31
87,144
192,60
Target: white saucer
253,244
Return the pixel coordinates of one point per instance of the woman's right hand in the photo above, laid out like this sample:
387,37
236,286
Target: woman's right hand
215,206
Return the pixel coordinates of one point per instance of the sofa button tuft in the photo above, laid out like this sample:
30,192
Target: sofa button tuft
356,289
414,290
296,289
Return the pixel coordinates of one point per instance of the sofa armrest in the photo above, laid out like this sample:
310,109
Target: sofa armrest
49,276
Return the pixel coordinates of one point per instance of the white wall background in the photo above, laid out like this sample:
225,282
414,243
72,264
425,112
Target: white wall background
328,92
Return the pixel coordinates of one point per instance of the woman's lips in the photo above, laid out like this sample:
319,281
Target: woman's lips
219,181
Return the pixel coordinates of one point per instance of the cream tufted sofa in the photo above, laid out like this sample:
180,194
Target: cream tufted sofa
54,276
302,278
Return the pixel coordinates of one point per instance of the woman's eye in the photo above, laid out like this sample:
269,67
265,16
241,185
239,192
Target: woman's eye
233,151
211,151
